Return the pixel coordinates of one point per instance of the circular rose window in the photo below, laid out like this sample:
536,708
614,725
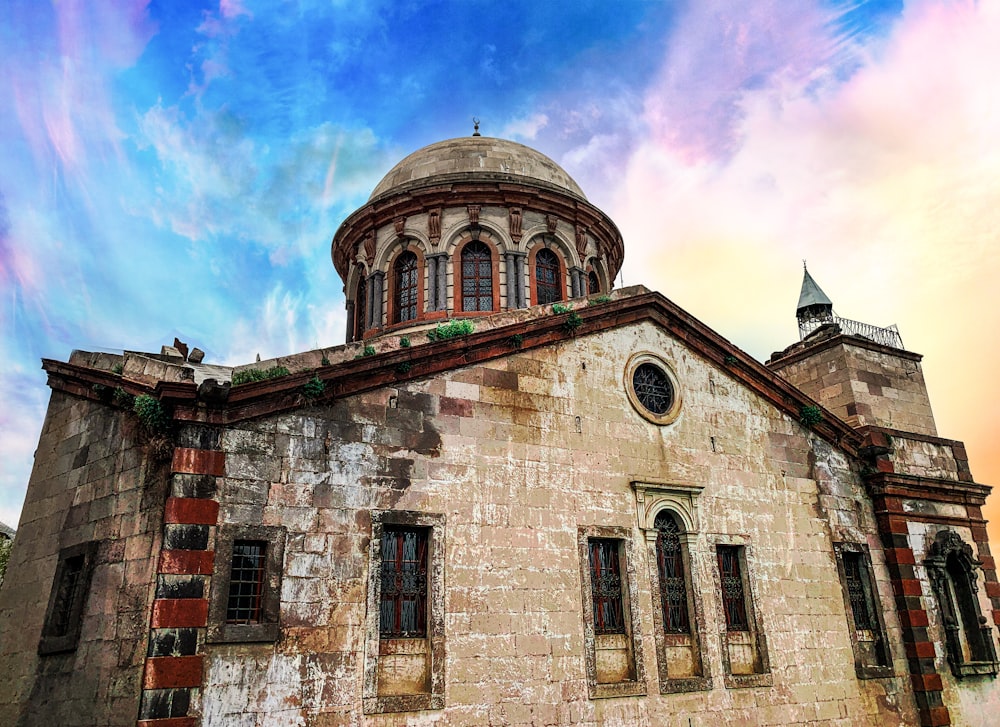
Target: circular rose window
652,388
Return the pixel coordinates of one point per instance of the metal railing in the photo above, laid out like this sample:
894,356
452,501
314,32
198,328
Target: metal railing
887,336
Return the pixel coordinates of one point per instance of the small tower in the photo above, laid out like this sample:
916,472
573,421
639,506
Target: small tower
859,371
814,309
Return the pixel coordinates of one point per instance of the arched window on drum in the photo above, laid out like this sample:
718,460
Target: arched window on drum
549,281
406,288
477,277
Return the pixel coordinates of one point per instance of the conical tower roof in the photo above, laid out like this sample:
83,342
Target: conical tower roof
812,294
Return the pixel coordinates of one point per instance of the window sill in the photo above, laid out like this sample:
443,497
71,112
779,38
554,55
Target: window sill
748,681
975,669
403,703
874,672
617,689
686,684
241,633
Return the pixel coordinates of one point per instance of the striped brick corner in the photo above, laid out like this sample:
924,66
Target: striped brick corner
913,620
174,659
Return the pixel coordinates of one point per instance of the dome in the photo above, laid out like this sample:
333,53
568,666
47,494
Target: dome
478,156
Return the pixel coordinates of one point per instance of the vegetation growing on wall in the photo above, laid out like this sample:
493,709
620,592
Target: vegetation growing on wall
810,415
250,375
313,388
451,329
5,547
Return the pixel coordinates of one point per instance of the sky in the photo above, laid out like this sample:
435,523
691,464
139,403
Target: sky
179,168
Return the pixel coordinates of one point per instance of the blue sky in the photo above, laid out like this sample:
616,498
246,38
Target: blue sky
179,168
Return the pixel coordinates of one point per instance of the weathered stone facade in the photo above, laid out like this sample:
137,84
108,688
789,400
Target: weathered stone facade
501,527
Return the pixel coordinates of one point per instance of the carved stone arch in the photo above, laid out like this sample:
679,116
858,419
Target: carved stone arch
652,498
951,567
597,266
461,234
358,270
389,249
947,543
539,235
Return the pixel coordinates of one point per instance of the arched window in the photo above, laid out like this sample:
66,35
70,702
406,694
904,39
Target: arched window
405,277
360,308
548,277
477,277
968,638
673,584
593,284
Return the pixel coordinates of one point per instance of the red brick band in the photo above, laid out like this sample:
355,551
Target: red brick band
198,462
165,672
179,613
186,562
191,511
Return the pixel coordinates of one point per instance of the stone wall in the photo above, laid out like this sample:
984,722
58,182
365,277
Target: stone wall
518,455
91,482
863,383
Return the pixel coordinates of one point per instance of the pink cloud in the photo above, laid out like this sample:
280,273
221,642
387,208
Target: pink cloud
886,182
719,50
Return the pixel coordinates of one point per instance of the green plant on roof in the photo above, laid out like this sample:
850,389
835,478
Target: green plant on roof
151,414
324,361
516,340
368,350
404,342
451,329
598,299
117,369
313,388
810,415
558,308
729,359
248,376
404,367
573,322
122,398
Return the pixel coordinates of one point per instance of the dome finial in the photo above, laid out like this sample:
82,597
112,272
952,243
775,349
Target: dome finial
475,127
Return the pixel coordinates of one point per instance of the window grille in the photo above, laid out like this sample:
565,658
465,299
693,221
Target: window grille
733,596
403,608
477,277
406,287
67,594
593,284
673,587
246,582
360,310
856,578
548,288
653,388
67,599
606,587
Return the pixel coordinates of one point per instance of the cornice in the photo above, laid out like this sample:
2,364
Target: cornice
423,199
350,377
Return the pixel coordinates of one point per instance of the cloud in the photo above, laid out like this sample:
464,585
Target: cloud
885,179
719,51
285,322
224,182
22,410
525,127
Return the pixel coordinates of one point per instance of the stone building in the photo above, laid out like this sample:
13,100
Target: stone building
515,496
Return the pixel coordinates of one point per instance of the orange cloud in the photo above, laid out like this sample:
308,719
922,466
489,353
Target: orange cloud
885,182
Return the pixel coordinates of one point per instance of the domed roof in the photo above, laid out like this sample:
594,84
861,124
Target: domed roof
476,156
